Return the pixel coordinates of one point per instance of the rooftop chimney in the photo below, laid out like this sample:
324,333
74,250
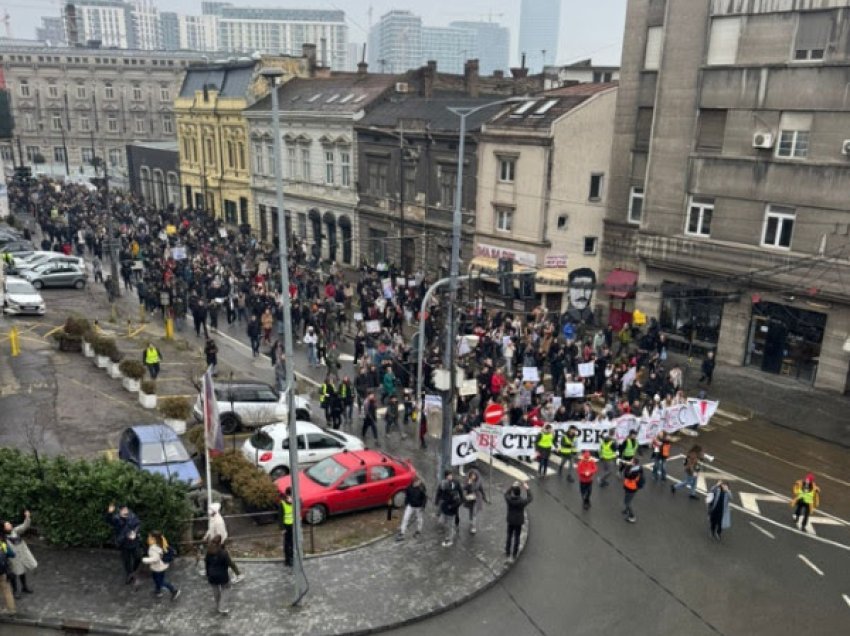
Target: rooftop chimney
522,71
499,74
362,68
470,77
429,76
309,51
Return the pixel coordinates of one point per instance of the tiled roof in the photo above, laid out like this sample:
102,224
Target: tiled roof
434,110
540,110
230,80
342,93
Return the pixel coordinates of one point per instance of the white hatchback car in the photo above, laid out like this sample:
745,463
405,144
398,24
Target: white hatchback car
247,404
20,297
268,447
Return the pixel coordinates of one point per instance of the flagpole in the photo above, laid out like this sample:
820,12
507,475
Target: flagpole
207,462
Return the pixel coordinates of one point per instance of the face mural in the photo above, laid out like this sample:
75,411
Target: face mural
581,283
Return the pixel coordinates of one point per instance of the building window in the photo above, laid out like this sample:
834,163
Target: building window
164,94
112,124
711,128
87,155
643,128
81,91
330,165
794,135
29,122
345,168
59,154
590,243
33,153
53,91
409,173
6,153
108,91
292,161
137,93
240,157
231,162
377,245
636,204
56,122
377,173
723,40
813,31
24,88
700,211
85,123
504,219
259,164
595,187
652,56
562,222
140,125
447,179
778,226
507,169
270,162
167,125
209,151
305,164
115,157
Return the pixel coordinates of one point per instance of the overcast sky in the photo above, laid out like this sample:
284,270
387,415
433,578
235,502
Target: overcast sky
589,28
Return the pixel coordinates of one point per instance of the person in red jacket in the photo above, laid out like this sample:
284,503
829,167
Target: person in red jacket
586,470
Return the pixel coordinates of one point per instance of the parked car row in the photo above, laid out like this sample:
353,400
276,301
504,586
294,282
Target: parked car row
244,404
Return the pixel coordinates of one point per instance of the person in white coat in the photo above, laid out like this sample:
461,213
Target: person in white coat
23,561
158,563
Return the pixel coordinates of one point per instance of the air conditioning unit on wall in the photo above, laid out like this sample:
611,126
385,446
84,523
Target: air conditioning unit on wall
763,140
845,147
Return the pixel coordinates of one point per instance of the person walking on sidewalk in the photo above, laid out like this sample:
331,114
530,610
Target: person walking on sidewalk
474,497
6,556
692,467
516,502
567,450
586,471
216,527
707,368
607,457
806,499
545,442
218,563
152,357
370,417
448,501
253,331
125,529
719,517
416,498
160,555
660,452
23,561
287,510
211,355
632,482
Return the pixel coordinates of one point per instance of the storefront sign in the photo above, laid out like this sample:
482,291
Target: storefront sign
555,260
494,251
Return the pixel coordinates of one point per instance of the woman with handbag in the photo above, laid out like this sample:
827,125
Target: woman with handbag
159,558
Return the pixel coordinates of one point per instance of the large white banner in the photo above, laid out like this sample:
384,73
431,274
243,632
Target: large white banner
520,441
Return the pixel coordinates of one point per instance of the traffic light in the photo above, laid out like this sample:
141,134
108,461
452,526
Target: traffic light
506,281
526,286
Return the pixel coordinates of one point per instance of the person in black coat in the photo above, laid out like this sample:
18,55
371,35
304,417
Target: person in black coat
707,368
218,564
125,533
516,501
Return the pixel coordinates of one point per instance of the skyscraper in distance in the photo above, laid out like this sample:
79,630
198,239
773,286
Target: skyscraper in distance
539,27
492,45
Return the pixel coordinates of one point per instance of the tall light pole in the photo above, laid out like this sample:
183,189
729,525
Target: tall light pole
451,328
301,585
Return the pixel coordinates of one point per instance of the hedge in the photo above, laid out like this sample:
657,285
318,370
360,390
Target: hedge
69,497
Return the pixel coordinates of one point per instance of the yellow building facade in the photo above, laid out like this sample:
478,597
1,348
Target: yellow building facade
212,134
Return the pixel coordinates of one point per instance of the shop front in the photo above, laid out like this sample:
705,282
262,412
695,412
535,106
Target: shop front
620,287
690,317
785,340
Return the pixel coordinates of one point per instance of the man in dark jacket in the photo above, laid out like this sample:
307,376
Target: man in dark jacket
125,531
449,499
416,498
516,516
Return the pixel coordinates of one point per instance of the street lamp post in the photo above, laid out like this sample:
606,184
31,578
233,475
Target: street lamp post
301,586
451,328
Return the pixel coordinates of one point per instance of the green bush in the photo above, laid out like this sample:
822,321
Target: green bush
77,326
249,483
69,502
175,408
132,369
104,346
148,387
195,436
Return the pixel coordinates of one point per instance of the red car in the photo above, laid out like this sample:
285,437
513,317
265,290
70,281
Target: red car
350,480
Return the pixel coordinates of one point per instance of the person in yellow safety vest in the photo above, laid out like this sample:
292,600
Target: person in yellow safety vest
152,357
567,450
628,449
288,518
545,442
806,499
607,457
328,390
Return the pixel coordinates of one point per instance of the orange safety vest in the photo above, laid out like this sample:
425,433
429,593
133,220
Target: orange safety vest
631,483
665,450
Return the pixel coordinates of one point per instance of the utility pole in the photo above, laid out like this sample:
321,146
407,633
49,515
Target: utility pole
113,244
401,245
301,584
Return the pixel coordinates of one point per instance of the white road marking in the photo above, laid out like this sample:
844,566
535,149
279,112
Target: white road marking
846,599
516,473
731,416
752,449
306,378
823,521
750,500
762,530
346,357
704,475
811,565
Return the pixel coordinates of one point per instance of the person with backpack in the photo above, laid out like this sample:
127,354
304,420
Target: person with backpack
660,453
448,501
125,532
806,499
23,561
632,482
6,555
159,558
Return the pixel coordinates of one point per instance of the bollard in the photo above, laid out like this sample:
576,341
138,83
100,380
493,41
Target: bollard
14,343
390,509
169,329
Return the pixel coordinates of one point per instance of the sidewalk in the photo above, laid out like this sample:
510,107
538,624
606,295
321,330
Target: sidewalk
776,399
